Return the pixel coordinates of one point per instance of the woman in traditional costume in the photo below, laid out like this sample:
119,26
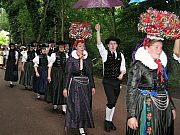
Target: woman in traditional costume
27,70
41,63
11,73
79,88
150,109
56,74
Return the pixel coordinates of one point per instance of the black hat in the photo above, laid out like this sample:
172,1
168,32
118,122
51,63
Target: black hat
60,43
11,44
31,45
112,38
44,45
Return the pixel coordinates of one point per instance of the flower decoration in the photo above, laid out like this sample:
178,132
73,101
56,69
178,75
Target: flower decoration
149,130
149,116
160,24
80,30
148,101
146,42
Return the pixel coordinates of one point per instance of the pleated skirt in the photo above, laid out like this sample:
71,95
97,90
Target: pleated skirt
11,73
26,77
79,104
40,84
54,92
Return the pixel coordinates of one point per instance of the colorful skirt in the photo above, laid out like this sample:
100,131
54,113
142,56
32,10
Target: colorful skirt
79,104
154,114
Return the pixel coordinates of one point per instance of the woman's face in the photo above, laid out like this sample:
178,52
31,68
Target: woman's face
155,50
80,47
44,50
12,47
61,48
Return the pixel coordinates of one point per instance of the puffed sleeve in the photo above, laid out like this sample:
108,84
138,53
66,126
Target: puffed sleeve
68,71
134,78
16,55
36,61
24,57
51,60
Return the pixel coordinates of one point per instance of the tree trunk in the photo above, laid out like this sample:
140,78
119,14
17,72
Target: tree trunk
43,22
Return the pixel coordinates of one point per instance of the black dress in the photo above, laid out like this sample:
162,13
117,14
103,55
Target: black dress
79,101
40,83
26,77
11,73
54,93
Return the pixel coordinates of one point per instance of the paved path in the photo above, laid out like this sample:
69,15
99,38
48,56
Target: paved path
22,114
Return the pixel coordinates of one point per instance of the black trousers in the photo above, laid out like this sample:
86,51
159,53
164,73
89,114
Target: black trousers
112,91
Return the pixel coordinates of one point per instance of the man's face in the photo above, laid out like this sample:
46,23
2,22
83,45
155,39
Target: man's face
112,45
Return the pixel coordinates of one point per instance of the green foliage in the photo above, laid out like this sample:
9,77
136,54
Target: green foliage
3,40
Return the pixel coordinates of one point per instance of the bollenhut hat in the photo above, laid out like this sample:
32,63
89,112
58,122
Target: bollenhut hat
112,38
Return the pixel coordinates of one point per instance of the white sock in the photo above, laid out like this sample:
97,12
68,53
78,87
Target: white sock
111,114
108,112
10,82
64,108
55,106
81,130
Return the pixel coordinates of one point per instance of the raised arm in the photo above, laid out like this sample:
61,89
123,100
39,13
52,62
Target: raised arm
97,27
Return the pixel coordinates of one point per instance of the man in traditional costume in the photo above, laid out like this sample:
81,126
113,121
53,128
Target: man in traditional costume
114,69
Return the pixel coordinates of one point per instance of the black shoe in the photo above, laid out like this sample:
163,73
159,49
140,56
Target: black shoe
63,112
107,127
113,127
82,133
11,85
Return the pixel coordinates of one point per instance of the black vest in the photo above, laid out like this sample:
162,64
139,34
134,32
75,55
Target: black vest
11,55
31,55
60,60
112,66
43,61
